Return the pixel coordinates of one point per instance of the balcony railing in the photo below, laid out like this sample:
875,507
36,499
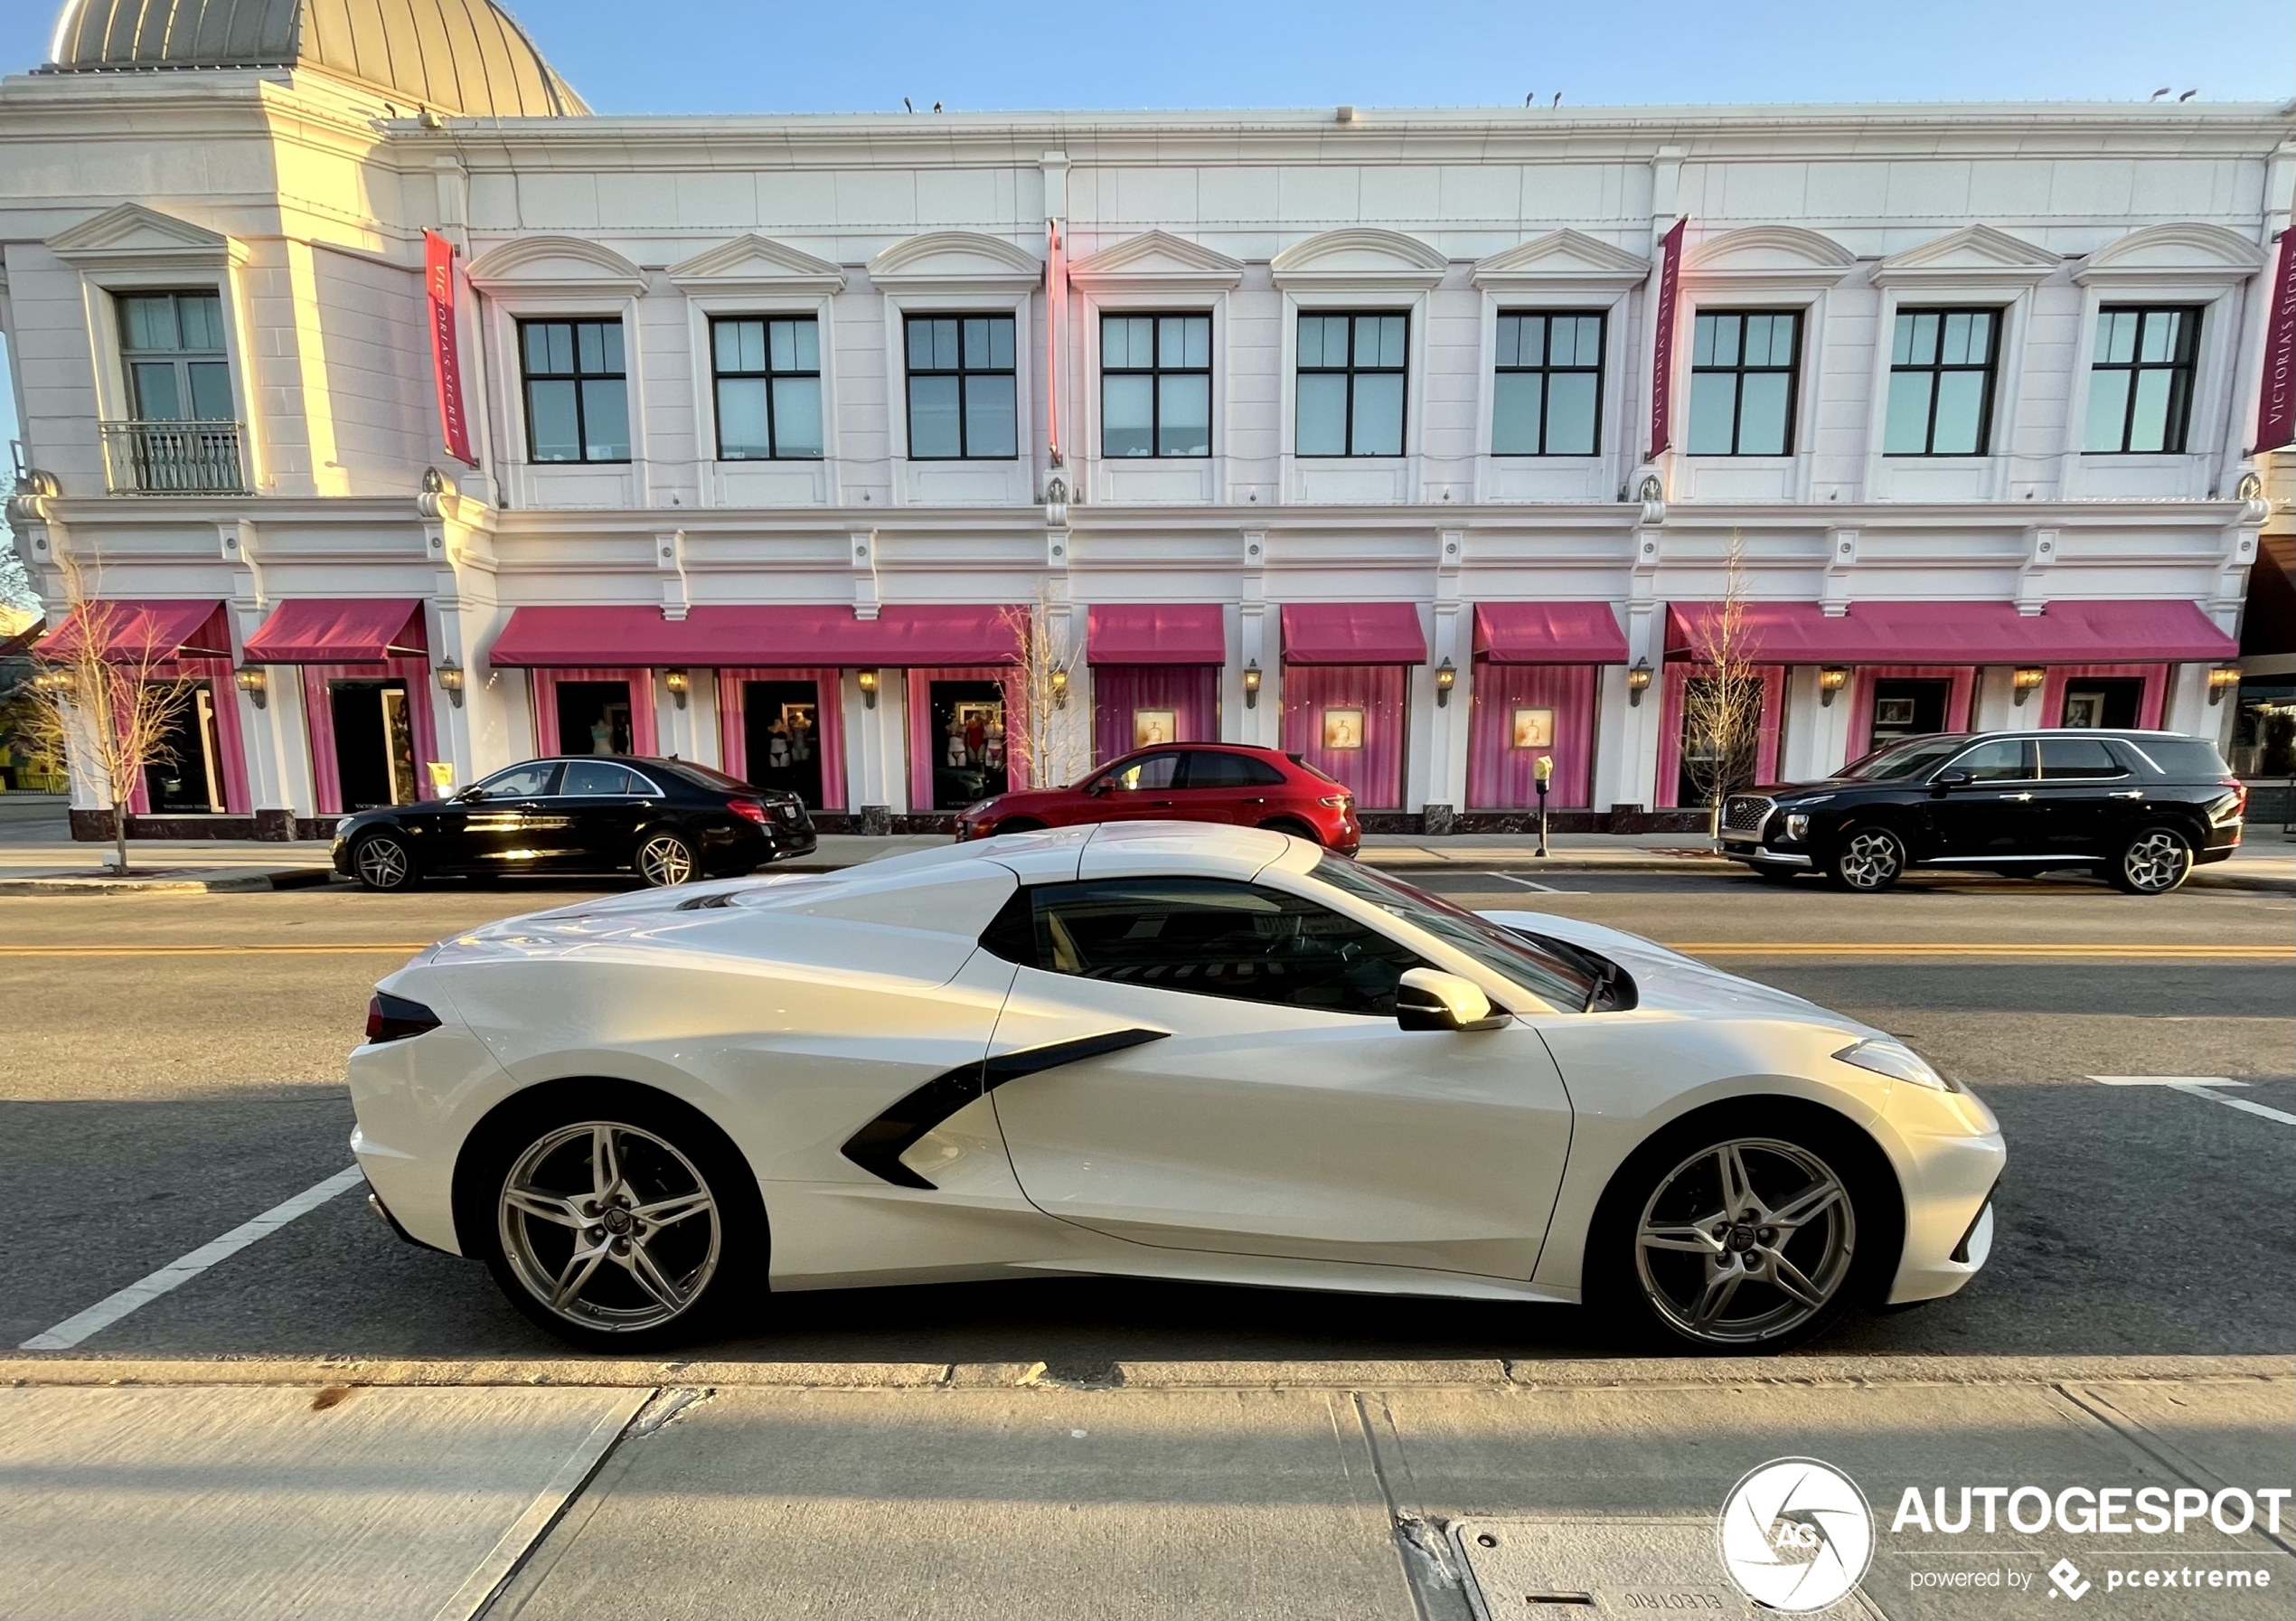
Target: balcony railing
173,458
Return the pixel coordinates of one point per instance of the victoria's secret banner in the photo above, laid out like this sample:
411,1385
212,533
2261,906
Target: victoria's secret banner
446,345
2276,401
1669,275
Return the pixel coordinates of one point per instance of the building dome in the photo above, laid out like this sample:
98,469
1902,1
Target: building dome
457,56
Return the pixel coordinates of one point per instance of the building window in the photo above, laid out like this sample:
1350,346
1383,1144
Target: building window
961,391
1940,383
768,381
173,343
1155,385
1350,384
576,400
1742,381
2140,382
1547,395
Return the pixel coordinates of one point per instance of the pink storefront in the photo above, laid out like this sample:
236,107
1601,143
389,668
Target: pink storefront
1346,692
1536,671
1155,675
365,665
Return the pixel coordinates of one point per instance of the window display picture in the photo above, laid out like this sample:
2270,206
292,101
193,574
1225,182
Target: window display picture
1343,729
1151,727
1534,728
968,735
781,737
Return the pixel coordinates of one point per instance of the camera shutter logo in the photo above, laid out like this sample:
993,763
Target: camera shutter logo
1796,1534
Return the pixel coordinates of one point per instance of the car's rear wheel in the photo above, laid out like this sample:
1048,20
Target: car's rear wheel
2156,860
1297,829
381,861
1019,825
664,859
615,1220
1869,860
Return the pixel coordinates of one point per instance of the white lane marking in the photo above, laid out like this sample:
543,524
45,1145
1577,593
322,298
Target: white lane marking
2200,1085
109,1310
1543,889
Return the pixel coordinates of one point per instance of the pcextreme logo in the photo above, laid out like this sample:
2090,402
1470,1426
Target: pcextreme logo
1796,1534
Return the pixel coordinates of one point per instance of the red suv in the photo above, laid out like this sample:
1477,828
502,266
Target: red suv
1185,782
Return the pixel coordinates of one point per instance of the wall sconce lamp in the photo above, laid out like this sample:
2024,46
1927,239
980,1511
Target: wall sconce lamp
2223,678
1446,677
867,681
52,680
1831,679
1060,688
256,682
450,682
679,683
1638,682
2026,683
1251,684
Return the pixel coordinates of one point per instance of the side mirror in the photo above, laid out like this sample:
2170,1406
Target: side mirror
1956,776
470,796
1097,787
1430,999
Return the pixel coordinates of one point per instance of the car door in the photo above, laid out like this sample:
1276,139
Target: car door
499,816
1991,815
1144,790
1219,787
1266,1102
591,823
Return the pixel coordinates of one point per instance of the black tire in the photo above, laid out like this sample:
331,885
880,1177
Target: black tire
1292,825
665,858
2155,860
1847,1251
1867,860
381,861
1019,825
712,1261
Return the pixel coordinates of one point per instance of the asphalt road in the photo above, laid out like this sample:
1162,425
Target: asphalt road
178,1072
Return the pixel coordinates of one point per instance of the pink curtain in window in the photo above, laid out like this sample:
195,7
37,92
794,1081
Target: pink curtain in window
1375,768
1861,693
733,730
643,737
1191,691
1670,737
1502,777
925,748
318,716
229,740
2150,701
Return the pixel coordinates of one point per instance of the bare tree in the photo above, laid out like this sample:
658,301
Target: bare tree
1045,745
1722,701
108,700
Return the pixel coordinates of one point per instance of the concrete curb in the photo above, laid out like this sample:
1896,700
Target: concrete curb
1478,1373
217,881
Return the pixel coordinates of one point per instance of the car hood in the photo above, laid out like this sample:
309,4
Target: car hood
1783,791
1667,980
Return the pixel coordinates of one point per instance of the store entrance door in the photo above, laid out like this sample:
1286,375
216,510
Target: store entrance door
2107,701
966,735
184,777
781,737
1906,707
593,717
374,743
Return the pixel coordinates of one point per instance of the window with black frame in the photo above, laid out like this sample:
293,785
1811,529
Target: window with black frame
1352,371
767,372
173,343
1547,395
1742,382
962,400
1940,383
577,390
2140,380
1155,385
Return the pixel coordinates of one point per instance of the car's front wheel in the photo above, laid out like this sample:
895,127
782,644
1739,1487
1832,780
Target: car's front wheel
664,859
1869,860
2153,862
381,861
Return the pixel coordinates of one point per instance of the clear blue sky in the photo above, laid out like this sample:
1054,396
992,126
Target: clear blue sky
665,56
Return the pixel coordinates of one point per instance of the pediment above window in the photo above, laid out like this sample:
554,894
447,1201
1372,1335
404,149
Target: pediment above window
1975,256
2186,251
955,260
1560,259
1359,258
135,238
1771,258
757,264
1157,258
555,264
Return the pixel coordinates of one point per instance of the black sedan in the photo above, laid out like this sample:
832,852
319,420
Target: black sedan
2140,808
666,820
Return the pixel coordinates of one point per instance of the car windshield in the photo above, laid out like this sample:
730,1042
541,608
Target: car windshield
1548,977
1909,758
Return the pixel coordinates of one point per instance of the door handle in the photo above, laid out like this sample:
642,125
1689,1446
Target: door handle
2017,796
2130,793
1160,805
1259,801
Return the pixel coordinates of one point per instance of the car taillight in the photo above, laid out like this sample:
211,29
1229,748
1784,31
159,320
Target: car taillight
2239,796
752,810
1337,801
394,1018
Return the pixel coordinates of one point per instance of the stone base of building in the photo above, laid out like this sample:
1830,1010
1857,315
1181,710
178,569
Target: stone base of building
272,826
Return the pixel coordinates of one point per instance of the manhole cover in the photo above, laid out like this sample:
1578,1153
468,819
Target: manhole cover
1608,1568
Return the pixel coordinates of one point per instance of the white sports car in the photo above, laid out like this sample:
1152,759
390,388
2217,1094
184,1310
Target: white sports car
1158,1050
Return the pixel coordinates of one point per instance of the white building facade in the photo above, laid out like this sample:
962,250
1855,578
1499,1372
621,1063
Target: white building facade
1332,431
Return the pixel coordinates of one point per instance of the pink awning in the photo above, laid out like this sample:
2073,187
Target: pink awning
1964,633
361,630
135,631
1549,633
1155,633
761,633
1353,632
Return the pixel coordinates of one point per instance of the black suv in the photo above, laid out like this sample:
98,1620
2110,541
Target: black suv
2140,808
665,820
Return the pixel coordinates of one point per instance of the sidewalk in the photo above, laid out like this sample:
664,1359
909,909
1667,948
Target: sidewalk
1382,1490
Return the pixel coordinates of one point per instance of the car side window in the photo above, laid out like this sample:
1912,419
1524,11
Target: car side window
1148,773
2000,761
587,776
1207,938
2077,758
520,782
1215,770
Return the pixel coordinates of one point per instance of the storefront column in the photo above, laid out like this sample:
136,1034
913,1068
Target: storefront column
689,732
2188,709
1438,770
1994,709
877,752
1262,723
1626,765
1817,733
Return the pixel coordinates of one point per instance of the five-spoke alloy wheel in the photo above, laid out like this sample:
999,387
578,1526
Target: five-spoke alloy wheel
664,859
2154,863
381,861
1870,858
